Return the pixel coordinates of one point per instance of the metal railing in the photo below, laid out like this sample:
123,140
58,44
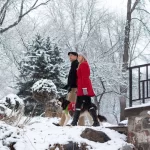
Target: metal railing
143,84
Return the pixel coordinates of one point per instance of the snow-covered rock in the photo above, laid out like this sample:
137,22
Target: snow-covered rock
148,112
124,122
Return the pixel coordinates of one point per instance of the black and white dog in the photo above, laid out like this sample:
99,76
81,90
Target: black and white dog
69,109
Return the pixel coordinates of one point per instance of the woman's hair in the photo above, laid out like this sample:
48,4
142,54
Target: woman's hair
83,59
83,54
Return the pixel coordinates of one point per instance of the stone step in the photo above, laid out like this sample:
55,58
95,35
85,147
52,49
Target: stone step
120,129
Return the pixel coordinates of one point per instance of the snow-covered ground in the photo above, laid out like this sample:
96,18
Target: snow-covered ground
40,133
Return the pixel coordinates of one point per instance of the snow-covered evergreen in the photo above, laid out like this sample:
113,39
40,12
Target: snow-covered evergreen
42,61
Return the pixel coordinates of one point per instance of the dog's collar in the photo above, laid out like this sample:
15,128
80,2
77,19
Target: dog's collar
66,110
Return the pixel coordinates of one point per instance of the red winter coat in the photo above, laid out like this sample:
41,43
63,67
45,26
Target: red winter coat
83,79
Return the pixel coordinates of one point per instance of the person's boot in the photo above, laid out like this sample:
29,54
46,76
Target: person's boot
56,124
92,111
75,118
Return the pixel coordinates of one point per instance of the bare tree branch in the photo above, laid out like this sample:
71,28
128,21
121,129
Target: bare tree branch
135,38
111,92
4,7
21,14
141,51
3,12
21,8
3,17
142,23
134,5
143,10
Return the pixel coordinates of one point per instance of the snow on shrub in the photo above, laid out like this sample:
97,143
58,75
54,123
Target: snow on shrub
45,85
4,111
11,109
12,101
44,90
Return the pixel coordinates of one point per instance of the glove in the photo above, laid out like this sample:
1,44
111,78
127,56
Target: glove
85,92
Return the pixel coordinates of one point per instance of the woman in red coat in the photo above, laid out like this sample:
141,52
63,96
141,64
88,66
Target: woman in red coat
84,90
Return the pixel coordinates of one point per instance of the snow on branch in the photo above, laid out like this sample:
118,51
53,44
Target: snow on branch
22,14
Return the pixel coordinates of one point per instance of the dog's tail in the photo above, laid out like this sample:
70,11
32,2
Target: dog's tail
102,118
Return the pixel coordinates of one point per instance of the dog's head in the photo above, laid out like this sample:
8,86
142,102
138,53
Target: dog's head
62,102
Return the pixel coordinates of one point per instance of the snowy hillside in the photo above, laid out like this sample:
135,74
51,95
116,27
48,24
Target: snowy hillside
40,133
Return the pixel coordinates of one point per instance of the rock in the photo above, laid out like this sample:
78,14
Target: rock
143,146
70,146
93,135
123,123
128,147
11,146
146,123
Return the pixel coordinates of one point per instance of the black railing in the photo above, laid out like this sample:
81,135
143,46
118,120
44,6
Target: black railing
143,84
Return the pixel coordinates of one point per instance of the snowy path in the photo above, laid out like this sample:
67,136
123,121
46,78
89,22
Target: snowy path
41,133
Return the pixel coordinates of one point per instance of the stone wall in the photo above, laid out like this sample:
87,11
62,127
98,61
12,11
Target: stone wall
139,127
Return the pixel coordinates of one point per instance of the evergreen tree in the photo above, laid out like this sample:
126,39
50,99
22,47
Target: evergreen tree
42,61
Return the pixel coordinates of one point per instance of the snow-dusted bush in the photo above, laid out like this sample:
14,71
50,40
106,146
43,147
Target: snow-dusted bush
11,109
11,116
12,101
4,111
44,90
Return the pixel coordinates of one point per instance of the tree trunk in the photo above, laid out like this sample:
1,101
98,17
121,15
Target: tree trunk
123,88
127,38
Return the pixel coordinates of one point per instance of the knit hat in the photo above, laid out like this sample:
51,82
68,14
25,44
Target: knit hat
73,53
84,54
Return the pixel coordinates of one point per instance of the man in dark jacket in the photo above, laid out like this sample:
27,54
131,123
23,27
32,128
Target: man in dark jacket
72,77
71,86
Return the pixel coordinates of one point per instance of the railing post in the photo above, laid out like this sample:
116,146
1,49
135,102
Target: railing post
130,87
147,80
143,92
139,78
143,85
